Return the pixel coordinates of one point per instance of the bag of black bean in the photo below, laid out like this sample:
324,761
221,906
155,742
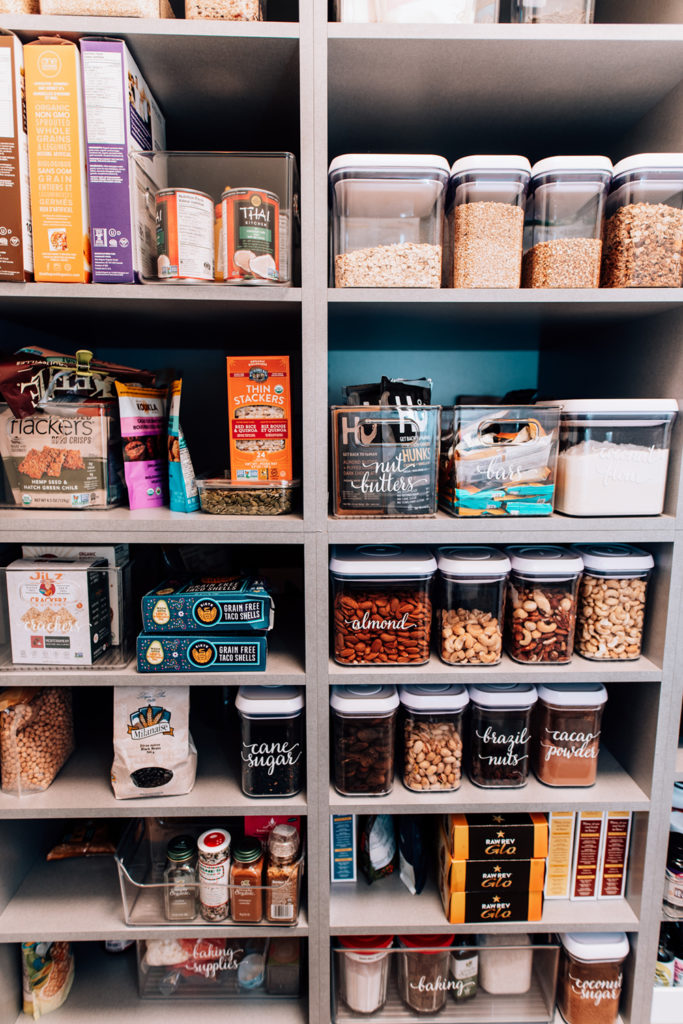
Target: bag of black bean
154,754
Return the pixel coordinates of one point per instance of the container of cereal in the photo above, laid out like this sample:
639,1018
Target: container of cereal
591,976
221,496
425,12
501,734
644,223
432,736
470,604
387,220
272,749
612,599
563,229
381,604
568,720
363,962
541,603
363,727
424,971
553,12
485,221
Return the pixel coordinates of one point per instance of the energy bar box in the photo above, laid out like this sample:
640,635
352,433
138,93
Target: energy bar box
16,243
260,418
56,146
183,652
560,848
482,836
224,603
476,907
587,849
121,117
498,875
614,855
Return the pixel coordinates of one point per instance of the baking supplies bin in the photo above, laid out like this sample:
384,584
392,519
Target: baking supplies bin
470,604
542,603
500,740
363,731
273,740
591,976
432,725
553,12
447,12
221,496
568,724
612,599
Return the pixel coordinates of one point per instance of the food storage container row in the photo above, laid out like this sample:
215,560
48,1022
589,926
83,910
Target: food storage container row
464,12
228,10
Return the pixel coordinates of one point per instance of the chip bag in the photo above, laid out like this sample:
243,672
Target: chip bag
47,976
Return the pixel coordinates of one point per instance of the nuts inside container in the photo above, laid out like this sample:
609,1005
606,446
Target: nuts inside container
541,606
363,725
226,10
224,497
471,601
612,599
432,736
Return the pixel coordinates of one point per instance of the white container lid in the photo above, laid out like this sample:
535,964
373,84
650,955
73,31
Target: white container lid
364,700
472,560
612,558
575,695
657,406
259,701
545,560
440,697
215,840
572,165
491,162
398,162
373,560
596,946
503,696
650,162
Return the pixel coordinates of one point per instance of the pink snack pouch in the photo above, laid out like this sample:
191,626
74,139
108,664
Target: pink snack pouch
143,437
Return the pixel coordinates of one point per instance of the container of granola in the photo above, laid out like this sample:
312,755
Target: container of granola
221,496
387,215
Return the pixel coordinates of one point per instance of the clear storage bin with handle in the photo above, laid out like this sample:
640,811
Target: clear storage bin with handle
591,976
612,598
542,603
387,220
432,736
553,12
425,12
470,604
563,229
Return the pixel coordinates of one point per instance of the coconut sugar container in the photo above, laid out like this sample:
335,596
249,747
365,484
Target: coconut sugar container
568,727
470,604
612,599
591,976
542,603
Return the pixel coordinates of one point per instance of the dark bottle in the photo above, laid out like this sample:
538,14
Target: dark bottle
664,971
673,888
465,969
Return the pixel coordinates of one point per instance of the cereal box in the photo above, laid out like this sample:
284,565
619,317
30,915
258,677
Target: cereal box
224,603
16,245
59,201
260,418
58,611
183,652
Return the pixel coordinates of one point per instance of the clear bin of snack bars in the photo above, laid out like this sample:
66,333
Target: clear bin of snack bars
426,12
227,218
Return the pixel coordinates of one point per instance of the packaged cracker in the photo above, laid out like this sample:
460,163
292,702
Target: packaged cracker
143,426
259,411
182,485
47,974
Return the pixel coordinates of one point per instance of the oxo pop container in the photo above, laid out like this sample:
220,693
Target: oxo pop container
563,230
542,603
553,12
387,220
382,612
470,604
363,964
363,728
272,748
425,12
485,221
432,725
612,599
424,971
591,976
501,734
568,724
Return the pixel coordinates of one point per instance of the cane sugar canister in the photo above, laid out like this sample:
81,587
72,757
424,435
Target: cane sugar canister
363,962
591,976
568,728
501,734
272,749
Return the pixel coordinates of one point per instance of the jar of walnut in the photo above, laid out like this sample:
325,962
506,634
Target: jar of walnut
612,602
470,604
541,603
432,736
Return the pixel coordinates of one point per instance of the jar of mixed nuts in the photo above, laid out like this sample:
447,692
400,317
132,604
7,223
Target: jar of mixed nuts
501,734
612,600
470,604
432,736
363,726
568,729
591,976
542,602
214,874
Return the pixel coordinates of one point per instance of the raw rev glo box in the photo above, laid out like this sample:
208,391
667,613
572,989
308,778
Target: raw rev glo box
222,603
187,653
481,836
497,874
473,907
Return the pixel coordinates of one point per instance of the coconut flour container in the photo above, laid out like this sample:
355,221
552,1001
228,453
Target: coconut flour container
568,720
553,12
363,962
500,742
424,971
272,749
591,976
470,604
363,728
612,599
542,602
432,736
505,964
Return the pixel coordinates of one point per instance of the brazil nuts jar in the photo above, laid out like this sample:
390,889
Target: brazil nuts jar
568,724
381,604
501,734
541,604
591,976
432,736
612,599
363,726
470,603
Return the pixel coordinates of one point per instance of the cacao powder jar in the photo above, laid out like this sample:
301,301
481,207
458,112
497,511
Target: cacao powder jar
568,721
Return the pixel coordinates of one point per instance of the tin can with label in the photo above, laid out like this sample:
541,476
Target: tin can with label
251,226
185,235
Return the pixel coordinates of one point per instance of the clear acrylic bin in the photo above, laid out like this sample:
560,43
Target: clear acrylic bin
228,218
109,8
447,12
221,496
553,12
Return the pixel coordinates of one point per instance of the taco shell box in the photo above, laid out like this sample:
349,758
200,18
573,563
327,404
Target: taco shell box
482,836
16,245
183,652
224,604
58,611
497,876
476,907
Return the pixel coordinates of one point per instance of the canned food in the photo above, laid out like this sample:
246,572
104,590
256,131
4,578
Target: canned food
185,235
251,228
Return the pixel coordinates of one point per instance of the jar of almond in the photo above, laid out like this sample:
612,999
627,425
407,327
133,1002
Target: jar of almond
432,736
470,604
541,603
612,600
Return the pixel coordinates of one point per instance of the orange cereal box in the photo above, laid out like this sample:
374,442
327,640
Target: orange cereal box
260,418
59,201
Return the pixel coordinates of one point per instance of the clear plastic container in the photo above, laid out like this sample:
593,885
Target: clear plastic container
643,237
272,750
424,971
553,12
221,496
614,456
363,728
500,741
563,229
542,603
591,976
471,604
109,9
387,220
485,221
612,599
363,965
426,12
382,611
226,10
432,736
506,964
568,720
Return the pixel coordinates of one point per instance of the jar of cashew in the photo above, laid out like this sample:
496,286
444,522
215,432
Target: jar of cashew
541,603
612,600
432,736
470,604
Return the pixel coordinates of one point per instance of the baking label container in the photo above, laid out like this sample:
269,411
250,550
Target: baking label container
223,603
187,653
185,226
251,219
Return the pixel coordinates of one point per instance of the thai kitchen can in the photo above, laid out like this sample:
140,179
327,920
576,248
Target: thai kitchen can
251,225
185,235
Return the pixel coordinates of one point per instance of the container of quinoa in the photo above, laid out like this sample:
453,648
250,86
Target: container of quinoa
219,495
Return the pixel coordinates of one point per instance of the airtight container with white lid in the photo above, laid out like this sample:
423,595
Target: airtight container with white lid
501,734
387,220
564,214
568,725
432,724
541,604
612,599
644,223
614,456
553,12
591,976
470,604
363,727
272,749
485,221
418,12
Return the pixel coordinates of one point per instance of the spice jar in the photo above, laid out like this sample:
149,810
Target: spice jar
643,240
505,964
214,874
553,12
363,725
432,736
363,963
470,604
612,599
501,734
180,879
381,604
568,730
272,725
591,976
283,875
246,881
563,229
541,604
423,971
485,221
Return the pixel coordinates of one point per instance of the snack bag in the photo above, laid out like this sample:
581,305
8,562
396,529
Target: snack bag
143,425
260,418
47,976
182,486
36,737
